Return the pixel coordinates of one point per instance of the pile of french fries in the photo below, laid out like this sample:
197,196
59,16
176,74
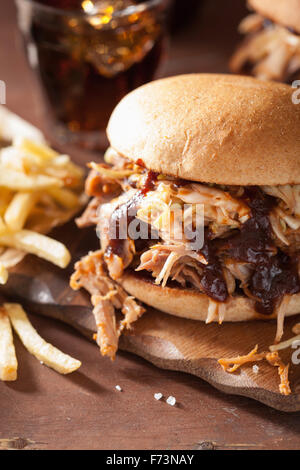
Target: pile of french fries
13,314
39,189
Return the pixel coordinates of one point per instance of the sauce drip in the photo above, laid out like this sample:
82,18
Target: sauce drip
150,181
212,280
275,273
125,214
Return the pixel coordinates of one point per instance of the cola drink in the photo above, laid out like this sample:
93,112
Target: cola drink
89,54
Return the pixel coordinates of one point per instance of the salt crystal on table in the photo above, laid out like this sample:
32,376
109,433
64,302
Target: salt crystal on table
118,388
158,396
171,401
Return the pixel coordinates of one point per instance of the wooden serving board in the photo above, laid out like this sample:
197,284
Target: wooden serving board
166,341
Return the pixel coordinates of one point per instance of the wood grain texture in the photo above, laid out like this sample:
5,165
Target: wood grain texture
84,411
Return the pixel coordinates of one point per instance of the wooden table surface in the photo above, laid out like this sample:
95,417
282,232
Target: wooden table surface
44,410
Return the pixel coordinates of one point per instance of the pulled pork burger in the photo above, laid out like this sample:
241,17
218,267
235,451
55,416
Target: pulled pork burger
228,144
271,48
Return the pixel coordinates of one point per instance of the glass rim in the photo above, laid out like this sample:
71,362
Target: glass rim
144,6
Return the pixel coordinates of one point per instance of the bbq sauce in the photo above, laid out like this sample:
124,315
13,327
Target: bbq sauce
125,214
150,181
212,280
275,274
119,222
179,183
140,162
253,244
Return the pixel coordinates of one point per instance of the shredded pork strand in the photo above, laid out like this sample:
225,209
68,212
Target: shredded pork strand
283,371
272,51
240,271
281,311
251,24
163,261
228,209
107,295
285,344
90,216
234,363
107,336
216,311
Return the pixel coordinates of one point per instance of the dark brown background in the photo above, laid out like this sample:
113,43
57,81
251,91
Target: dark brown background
44,410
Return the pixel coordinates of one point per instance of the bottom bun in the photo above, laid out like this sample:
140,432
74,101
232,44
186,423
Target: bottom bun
191,304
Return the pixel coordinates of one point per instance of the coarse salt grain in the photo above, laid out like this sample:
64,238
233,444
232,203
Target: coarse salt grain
118,388
158,396
255,369
171,401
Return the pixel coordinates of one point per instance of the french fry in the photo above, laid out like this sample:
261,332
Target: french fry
39,150
10,257
5,197
39,189
8,360
12,125
48,157
19,209
64,197
39,245
37,346
18,181
3,274
62,167
3,227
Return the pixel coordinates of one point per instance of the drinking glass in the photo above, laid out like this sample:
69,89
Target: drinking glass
88,55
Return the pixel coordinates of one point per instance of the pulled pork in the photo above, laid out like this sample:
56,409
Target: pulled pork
234,363
250,242
91,273
269,52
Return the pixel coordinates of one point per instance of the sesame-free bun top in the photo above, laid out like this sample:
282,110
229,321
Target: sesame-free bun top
222,129
284,12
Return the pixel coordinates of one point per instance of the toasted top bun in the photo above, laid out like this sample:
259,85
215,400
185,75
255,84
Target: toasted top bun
284,12
222,129
191,304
